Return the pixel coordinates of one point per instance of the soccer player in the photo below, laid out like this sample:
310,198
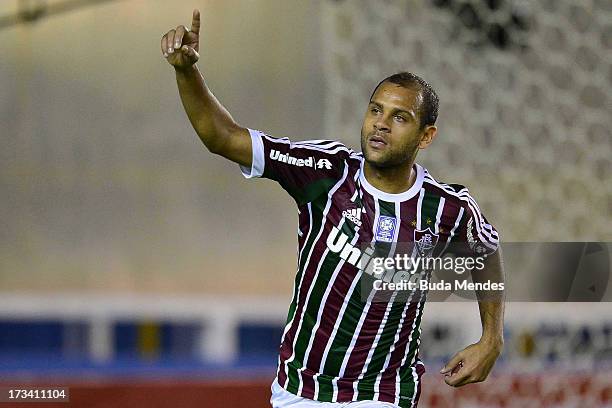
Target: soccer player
339,345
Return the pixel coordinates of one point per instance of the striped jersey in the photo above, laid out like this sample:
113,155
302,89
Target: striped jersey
339,344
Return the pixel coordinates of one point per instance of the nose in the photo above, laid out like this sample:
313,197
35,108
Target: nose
381,125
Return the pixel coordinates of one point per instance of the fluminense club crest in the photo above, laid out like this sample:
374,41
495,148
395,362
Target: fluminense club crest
425,241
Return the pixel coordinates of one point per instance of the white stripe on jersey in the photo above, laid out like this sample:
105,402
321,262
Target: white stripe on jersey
323,301
330,341
327,145
415,251
293,145
324,220
392,349
464,193
288,325
452,232
316,141
397,229
381,326
324,144
414,373
392,254
364,313
389,304
419,305
439,215
486,236
487,227
418,210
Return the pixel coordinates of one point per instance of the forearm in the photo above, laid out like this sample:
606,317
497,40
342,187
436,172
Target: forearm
475,362
211,121
492,318
491,303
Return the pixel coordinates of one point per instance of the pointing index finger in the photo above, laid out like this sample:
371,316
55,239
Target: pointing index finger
195,22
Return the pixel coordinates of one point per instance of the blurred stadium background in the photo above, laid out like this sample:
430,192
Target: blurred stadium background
139,270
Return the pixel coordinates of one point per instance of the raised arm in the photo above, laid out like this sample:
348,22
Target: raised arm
212,122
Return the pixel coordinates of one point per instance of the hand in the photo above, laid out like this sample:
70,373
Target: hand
180,47
472,364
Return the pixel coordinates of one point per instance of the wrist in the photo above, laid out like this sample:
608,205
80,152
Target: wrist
185,70
494,341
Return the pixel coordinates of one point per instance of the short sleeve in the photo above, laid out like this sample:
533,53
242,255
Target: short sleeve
257,166
304,169
481,237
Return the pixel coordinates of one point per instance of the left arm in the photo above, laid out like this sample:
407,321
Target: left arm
474,363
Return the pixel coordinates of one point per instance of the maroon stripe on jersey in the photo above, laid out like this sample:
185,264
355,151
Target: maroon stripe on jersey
301,242
388,379
286,174
452,207
449,197
330,314
308,386
465,200
345,389
362,347
286,349
334,215
281,374
386,395
408,214
349,186
334,301
448,220
408,211
367,227
303,225
376,312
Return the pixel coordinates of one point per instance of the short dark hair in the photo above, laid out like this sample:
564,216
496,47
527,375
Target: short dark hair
428,111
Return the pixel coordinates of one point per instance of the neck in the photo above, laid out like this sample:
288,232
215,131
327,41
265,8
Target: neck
392,180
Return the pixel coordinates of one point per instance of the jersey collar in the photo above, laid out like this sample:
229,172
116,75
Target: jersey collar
404,196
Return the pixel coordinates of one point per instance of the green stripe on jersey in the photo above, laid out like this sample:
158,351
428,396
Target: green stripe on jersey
347,329
314,190
321,283
429,210
407,380
316,209
340,343
365,386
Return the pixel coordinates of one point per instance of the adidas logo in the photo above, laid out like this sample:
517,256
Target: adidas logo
353,214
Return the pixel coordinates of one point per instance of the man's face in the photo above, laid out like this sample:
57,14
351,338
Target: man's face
390,135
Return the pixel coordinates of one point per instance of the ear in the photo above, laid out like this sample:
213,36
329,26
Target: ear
428,136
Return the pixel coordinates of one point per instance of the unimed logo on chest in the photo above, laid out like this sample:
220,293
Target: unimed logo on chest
302,162
338,242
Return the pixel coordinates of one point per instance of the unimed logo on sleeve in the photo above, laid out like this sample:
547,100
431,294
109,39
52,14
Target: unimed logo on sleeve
294,161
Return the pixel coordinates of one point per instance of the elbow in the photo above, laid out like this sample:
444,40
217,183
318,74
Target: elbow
215,147
211,140
219,140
